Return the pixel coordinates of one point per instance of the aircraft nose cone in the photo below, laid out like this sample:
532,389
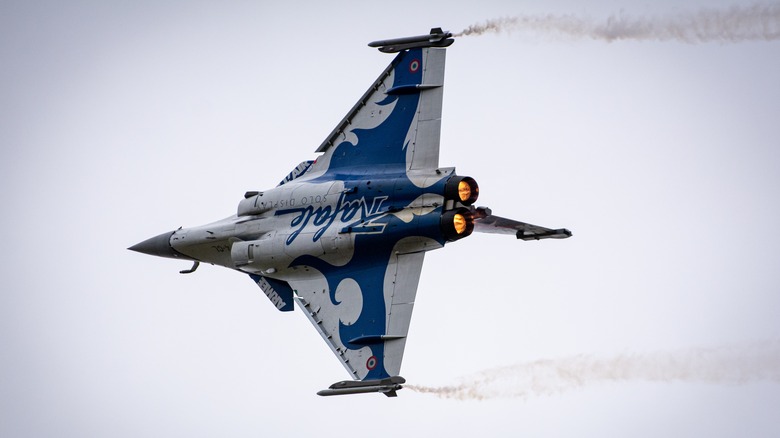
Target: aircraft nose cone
159,246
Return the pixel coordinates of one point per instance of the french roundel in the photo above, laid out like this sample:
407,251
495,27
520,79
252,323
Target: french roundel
414,65
371,363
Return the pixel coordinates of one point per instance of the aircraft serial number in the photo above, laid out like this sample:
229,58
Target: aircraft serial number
306,200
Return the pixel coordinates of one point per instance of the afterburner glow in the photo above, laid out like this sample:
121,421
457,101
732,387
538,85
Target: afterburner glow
459,222
464,191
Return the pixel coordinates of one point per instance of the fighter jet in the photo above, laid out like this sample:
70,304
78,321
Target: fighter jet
344,236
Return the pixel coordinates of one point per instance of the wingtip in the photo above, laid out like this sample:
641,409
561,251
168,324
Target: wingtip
436,38
388,386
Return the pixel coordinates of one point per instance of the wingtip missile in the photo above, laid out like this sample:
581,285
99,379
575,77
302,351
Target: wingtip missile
387,386
436,38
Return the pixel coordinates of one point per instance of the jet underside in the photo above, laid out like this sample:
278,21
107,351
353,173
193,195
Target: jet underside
344,236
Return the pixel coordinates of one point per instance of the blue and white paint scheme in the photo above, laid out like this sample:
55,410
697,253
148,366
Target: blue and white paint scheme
344,236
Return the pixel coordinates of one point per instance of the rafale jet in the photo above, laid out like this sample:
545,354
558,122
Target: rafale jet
344,236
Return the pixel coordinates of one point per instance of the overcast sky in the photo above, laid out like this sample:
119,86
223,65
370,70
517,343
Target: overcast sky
120,121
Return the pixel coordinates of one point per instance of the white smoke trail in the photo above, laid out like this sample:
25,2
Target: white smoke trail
730,365
731,25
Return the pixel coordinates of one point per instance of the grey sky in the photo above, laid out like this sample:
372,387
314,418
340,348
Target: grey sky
119,121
